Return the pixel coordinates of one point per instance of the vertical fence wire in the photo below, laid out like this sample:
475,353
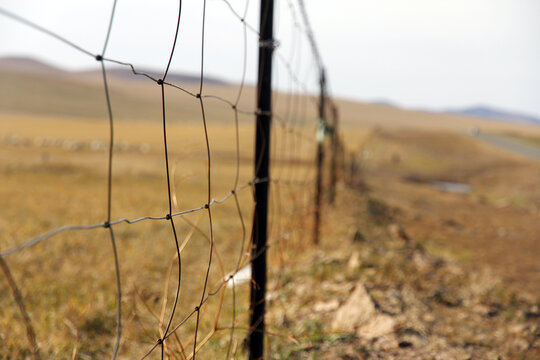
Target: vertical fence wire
292,165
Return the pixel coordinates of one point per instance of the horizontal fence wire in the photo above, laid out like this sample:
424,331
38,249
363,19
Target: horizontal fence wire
292,180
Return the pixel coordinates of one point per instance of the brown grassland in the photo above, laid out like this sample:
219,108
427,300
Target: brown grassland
462,283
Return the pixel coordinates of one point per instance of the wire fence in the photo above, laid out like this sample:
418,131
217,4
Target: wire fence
186,296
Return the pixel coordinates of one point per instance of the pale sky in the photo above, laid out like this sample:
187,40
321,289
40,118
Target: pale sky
430,54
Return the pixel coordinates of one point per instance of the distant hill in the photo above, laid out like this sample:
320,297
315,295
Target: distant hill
175,78
34,89
31,87
483,112
384,102
33,66
487,112
22,64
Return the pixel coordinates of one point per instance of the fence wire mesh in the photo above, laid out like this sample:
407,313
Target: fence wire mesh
157,170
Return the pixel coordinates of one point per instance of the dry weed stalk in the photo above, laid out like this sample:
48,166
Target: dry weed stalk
30,334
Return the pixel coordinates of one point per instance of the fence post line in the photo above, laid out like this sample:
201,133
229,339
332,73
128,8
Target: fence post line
320,156
261,162
335,150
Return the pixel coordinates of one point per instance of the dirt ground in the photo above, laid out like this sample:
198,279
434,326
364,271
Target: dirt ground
456,272
496,224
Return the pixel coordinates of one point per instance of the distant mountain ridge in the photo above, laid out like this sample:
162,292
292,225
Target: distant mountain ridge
28,65
32,86
487,112
33,66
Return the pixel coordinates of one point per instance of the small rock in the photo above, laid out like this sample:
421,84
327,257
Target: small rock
398,233
358,314
421,260
326,306
354,262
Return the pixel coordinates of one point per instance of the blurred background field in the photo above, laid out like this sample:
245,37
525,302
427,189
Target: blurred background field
54,174
429,250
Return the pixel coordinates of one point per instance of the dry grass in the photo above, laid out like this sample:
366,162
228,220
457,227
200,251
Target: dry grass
496,224
68,281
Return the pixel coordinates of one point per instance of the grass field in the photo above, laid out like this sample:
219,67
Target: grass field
47,187
53,166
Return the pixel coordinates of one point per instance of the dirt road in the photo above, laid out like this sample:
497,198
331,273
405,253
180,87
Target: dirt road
510,144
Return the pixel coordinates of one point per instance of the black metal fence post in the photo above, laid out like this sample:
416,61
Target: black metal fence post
320,157
262,162
335,151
